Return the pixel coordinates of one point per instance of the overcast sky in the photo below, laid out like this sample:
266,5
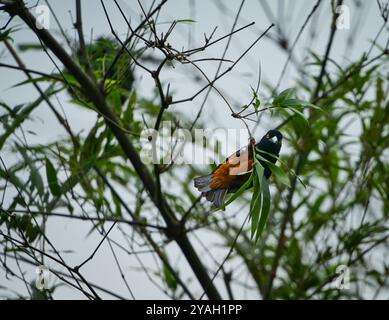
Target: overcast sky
289,16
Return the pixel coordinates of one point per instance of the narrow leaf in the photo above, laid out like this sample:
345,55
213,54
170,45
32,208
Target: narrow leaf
185,21
265,208
240,190
52,179
256,202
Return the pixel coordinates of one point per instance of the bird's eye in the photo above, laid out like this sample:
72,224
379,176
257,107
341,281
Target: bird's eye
267,136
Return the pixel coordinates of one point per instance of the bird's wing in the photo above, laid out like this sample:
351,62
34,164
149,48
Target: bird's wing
235,166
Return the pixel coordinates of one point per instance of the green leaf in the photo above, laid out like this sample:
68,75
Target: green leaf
128,113
265,208
23,114
5,35
257,102
185,21
36,179
34,80
256,200
239,191
24,223
380,93
29,46
52,179
291,103
259,157
277,171
299,113
280,174
284,95
92,145
170,279
287,99
313,106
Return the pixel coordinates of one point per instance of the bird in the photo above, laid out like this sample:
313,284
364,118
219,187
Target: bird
230,175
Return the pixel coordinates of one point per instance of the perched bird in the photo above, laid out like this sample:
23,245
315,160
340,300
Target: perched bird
230,175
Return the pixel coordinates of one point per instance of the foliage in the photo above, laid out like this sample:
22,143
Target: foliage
325,205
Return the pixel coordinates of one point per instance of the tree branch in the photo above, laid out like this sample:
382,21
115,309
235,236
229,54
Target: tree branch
97,98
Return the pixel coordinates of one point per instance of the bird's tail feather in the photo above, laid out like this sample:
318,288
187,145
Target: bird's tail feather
216,197
203,184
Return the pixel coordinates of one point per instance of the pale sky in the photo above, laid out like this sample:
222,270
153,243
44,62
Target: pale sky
67,234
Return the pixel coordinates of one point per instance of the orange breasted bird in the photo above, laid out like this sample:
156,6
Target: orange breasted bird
230,175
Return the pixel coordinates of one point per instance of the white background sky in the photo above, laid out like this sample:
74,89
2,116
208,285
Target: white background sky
68,234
